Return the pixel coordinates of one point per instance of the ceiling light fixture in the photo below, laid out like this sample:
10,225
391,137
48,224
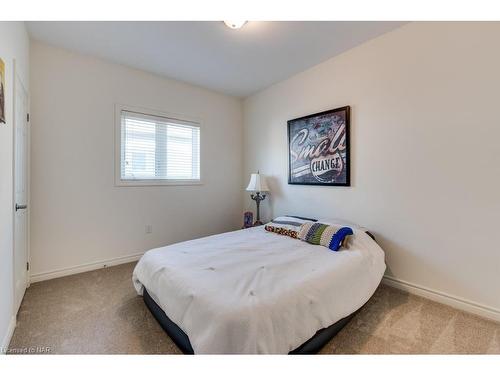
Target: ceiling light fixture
235,24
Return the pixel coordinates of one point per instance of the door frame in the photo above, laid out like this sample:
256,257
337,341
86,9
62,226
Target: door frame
17,80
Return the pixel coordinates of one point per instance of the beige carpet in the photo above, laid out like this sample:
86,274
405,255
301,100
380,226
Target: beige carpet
99,312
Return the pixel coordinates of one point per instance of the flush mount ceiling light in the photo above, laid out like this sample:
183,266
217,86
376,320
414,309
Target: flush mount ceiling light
235,24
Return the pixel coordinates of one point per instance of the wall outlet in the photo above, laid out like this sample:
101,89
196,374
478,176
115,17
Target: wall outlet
149,229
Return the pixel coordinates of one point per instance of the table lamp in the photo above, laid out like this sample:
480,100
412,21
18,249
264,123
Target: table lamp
258,185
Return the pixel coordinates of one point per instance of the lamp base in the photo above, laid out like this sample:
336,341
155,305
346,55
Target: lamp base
258,198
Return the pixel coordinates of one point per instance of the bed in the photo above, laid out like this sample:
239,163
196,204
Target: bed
251,291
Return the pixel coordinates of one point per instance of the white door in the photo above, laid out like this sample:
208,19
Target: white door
20,192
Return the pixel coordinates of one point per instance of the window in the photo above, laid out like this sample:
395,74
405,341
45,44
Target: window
157,150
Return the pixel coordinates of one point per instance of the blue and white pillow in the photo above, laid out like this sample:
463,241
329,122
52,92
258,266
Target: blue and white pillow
331,236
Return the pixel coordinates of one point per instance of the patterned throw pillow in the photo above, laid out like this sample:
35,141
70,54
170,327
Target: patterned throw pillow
286,225
331,236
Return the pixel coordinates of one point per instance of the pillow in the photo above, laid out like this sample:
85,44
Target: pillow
331,236
302,218
339,222
286,225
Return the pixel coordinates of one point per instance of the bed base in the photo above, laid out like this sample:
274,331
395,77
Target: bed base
311,346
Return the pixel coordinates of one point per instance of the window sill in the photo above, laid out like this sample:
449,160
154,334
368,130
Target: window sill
132,183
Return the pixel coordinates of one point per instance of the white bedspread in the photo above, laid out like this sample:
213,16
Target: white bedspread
251,291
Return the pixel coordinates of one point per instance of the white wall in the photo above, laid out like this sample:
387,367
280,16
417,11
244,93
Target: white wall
14,46
78,215
425,151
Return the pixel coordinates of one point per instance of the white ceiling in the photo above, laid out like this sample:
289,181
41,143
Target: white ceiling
209,54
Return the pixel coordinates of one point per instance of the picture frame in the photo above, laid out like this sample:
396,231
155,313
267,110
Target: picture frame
247,219
319,148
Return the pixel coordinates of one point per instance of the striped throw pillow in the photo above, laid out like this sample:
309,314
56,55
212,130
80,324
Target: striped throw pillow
285,225
331,236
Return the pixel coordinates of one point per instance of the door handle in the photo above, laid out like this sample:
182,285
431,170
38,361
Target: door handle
21,206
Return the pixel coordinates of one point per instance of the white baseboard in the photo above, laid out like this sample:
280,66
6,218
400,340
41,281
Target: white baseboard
34,278
444,298
8,335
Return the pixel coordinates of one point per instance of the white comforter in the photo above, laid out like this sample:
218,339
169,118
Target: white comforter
251,291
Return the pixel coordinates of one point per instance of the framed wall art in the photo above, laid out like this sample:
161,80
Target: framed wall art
318,148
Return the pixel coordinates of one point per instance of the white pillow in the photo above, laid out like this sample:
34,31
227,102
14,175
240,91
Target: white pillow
288,222
334,221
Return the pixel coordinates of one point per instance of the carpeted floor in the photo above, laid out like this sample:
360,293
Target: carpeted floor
99,312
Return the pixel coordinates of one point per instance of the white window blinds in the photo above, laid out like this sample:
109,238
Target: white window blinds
158,148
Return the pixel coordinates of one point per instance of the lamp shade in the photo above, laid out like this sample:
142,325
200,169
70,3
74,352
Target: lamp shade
257,183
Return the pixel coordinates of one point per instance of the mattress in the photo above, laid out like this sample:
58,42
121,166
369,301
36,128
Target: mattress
251,291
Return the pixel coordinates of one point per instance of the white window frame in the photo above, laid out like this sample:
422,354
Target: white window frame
118,139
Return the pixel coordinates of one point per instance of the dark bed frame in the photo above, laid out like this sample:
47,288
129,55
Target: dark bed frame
179,337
